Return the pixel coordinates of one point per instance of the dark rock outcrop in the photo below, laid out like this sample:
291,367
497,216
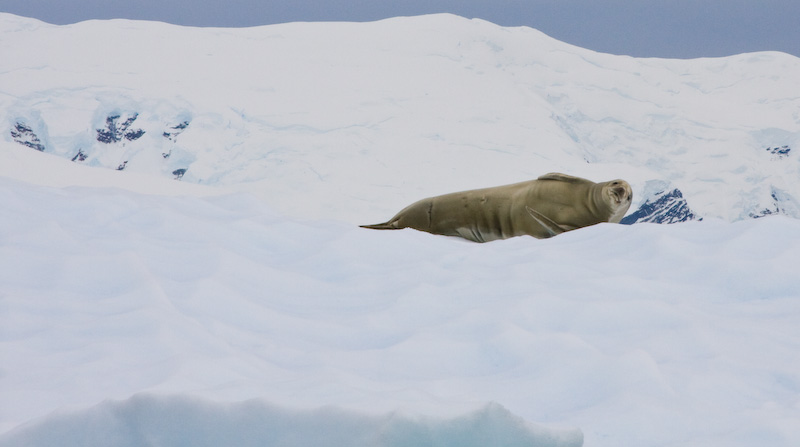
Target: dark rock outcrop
664,207
116,130
25,136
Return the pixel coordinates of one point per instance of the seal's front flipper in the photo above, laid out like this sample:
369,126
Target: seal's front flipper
548,224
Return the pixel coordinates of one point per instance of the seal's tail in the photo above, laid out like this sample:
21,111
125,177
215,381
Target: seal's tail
381,226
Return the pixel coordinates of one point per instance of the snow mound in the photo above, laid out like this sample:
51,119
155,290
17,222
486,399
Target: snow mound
179,421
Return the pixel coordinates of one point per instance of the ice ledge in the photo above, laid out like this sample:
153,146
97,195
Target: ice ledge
179,420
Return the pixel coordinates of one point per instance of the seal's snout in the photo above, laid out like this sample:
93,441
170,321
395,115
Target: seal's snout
620,191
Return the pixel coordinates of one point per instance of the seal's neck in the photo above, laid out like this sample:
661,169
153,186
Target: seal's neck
618,214
599,205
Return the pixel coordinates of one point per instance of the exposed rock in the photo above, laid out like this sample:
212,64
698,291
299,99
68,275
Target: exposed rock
174,131
80,156
25,136
663,207
782,203
115,131
779,153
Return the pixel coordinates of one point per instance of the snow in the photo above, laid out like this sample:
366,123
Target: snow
242,304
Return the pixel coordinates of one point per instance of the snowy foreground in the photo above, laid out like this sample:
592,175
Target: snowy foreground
218,291
648,334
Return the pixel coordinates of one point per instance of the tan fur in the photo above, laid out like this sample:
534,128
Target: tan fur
541,208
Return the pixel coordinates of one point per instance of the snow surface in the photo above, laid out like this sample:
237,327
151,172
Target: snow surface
242,305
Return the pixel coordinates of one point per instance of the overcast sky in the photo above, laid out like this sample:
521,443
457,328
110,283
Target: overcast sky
654,28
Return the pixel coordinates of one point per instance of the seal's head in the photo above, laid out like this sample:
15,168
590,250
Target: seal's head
617,194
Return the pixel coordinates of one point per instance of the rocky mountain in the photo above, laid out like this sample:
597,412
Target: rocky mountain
663,207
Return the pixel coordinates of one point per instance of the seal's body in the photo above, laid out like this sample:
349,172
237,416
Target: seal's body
550,205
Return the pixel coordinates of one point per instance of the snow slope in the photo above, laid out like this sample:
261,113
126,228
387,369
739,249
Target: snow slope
242,305
416,106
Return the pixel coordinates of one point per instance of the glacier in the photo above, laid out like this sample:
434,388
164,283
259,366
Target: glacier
480,105
180,261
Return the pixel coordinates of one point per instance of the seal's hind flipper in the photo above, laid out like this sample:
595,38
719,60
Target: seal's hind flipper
547,223
381,226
